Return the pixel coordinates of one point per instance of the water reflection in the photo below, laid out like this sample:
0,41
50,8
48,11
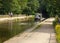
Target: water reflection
12,28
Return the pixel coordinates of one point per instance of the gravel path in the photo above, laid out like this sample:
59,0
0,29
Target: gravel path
45,34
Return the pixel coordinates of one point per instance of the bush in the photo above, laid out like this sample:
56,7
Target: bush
57,28
55,22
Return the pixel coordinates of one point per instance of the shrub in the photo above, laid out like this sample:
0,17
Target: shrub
57,28
55,22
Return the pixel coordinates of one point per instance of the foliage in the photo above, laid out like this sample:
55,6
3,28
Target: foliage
55,22
19,6
51,6
23,3
15,7
56,25
32,7
0,3
57,28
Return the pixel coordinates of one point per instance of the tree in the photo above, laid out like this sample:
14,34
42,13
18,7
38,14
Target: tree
32,7
23,3
11,6
51,6
19,6
1,8
0,3
5,6
15,7
34,4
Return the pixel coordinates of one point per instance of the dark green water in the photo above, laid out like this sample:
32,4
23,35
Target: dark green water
12,28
